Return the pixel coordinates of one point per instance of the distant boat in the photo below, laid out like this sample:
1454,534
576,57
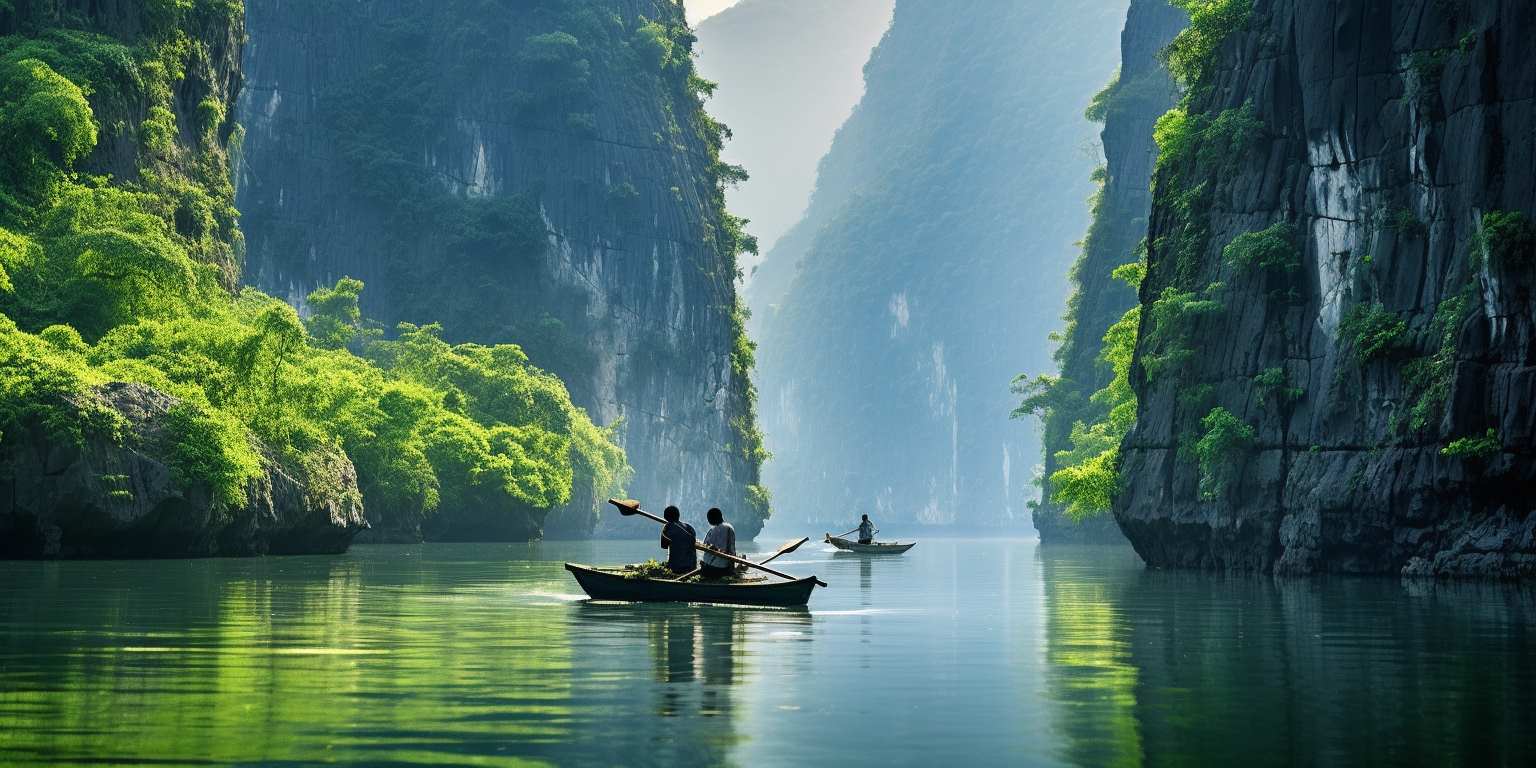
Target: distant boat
613,584
874,548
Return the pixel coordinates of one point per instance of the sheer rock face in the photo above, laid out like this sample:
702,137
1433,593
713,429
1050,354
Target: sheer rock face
1390,131
557,193
111,497
939,234
1143,94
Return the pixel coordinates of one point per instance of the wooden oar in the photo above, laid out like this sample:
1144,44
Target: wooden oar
789,546
628,508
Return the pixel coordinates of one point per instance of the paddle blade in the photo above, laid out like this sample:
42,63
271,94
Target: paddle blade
627,506
790,546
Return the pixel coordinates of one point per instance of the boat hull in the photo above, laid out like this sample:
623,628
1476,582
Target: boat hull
869,549
607,585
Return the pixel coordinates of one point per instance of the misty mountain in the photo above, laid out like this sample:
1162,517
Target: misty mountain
790,72
931,262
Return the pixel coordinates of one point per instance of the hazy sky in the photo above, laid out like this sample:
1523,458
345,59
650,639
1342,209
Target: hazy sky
699,10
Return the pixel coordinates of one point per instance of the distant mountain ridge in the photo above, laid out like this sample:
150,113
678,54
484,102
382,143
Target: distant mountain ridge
939,235
789,73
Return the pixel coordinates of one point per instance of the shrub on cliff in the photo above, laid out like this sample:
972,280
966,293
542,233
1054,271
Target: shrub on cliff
1220,450
1193,54
1272,248
1372,331
1507,240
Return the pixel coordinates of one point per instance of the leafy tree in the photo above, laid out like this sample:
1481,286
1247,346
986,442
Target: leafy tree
45,127
335,319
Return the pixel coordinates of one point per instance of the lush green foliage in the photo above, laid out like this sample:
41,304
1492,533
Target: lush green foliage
1430,378
1192,57
1474,447
1274,387
1222,446
105,283
1195,154
45,128
1089,475
1174,313
1507,239
1272,248
1373,331
1098,108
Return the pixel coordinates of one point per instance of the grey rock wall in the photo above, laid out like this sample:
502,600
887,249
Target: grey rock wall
1391,130
475,168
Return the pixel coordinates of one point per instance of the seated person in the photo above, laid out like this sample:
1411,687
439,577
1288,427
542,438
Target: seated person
721,536
678,537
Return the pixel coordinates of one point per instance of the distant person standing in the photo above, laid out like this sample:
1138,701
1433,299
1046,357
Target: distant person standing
866,530
678,537
721,536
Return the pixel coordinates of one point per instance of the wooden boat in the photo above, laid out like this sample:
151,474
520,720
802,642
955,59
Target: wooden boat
876,548
613,584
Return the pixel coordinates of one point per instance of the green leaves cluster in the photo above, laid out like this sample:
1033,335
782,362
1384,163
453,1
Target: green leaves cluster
1274,387
45,128
1174,313
1373,331
1224,442
1192,57
1475,448
1272,248
1089,478
1507,240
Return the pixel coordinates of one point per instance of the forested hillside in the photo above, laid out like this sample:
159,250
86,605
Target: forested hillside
1087,407
148,405
539,172
940,232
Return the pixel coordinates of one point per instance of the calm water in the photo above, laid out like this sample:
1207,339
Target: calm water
990,652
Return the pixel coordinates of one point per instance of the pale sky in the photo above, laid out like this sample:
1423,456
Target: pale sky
699,10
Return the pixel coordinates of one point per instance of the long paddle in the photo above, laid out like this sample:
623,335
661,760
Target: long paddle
789,546
633,508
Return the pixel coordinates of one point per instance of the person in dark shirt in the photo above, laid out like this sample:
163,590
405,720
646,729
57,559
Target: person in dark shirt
678,537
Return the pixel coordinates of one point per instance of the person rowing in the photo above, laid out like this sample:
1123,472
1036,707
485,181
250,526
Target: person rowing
678,538
866,529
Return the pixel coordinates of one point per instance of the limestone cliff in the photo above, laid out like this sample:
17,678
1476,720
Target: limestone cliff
538,172
1336,368
1128,107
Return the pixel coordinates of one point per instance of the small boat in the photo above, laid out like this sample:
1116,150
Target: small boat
613,584
875,548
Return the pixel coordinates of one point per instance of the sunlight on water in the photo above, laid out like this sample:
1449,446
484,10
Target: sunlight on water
994,652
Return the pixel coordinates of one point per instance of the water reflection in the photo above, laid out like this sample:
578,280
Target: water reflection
699,657
1091,676
987,651
1159,668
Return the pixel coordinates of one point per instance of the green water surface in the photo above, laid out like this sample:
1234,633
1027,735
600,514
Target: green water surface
960,652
